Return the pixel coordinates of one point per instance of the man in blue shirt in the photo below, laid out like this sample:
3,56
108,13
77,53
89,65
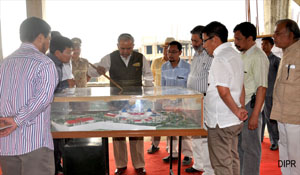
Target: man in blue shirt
175,73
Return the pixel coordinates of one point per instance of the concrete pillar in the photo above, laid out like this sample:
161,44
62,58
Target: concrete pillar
35,8
275,10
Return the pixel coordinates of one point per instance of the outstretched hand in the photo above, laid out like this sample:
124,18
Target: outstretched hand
7,121
100,70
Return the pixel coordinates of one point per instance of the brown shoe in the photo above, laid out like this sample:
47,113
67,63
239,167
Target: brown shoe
120,171
140,171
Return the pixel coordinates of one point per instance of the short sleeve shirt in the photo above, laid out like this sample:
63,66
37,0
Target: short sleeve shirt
256,68
226,71
176,76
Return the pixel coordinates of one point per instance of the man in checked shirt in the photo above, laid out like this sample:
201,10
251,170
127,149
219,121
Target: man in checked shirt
27,82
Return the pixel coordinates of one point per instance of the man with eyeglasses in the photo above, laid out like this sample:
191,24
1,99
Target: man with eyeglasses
225,99
67,67
175,73
197,80
156,71
60,53
286,95
256,67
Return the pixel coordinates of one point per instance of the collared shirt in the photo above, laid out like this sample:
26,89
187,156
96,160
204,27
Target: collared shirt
105,62
79,69
227,70
67,71
273,69
286,96
200,66
256,68
62,84
156,70
176,76
27,82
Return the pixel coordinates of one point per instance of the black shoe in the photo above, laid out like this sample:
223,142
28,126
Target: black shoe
167,159
192,170
153,149
59,170
120,171
274,147
186,160
140,171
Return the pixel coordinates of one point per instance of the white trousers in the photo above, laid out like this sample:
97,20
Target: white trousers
289,148
201,155
186,147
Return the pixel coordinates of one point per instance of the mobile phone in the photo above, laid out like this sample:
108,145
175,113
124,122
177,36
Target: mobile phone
252,102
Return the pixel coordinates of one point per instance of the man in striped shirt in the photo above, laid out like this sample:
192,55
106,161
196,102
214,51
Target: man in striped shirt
27,82
198,80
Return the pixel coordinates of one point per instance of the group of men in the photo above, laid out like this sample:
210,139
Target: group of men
173,71
234,84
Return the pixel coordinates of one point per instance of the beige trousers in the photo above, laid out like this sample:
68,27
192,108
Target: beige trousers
136,145
38,162
223,149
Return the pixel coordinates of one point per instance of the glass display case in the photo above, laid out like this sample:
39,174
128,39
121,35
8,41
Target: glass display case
133,108
134,111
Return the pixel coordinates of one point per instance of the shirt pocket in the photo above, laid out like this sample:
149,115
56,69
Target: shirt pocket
291,73
181,80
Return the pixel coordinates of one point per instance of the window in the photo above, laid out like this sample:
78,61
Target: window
160,49
148,50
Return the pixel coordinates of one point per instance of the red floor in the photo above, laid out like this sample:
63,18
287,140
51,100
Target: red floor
155,165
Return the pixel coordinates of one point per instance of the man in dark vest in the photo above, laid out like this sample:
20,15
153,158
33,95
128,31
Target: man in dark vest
127,68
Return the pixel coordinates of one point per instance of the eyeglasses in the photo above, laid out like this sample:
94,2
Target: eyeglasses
211,37
67,53
173,52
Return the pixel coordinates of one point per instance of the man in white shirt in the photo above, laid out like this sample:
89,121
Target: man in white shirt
127,68
67,74
225,100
